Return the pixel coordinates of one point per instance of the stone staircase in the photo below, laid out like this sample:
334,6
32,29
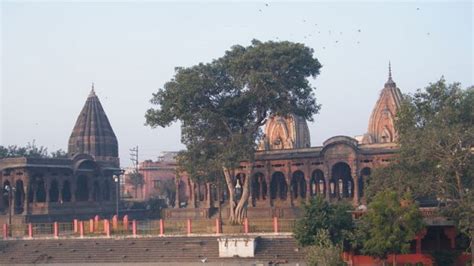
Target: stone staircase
136,250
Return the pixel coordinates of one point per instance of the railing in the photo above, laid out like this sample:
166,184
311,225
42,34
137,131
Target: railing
107,228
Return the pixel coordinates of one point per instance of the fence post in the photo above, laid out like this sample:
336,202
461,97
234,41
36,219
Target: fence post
81,229
30,230
275,225
91,225
75,225
115,222
5,231
134,228
189,227
56,230
125,223
218,226
96,222
162,227
246,225
107,227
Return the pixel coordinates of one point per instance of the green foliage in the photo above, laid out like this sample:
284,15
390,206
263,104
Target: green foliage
167,191
388,227
30,150
321,215
222,104
324,252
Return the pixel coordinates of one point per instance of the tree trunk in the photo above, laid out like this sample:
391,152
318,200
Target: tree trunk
236,211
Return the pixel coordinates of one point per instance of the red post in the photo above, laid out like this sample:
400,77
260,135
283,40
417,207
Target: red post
246,225
30,230
56,230
91,225
275,225
75,225
81,229
5,231
96,224
134,228
125,222
162,227
189,227
107,228
218,226
115,222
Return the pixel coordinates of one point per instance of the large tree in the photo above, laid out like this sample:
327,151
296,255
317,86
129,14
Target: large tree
31,151
223,104
436,136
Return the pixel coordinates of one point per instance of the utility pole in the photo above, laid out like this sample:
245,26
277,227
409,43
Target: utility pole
134,157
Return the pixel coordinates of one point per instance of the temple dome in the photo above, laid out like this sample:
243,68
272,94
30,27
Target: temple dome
92,133
290,132
382,121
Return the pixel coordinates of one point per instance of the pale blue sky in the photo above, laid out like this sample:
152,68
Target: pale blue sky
51,52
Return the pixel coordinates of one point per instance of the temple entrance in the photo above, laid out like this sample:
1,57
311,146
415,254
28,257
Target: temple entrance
5,196
96,191
278,186
82,190
364,175
317,183
298,185
342,183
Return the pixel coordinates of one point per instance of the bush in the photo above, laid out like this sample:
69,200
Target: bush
324,252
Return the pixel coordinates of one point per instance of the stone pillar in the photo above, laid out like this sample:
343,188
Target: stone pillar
46,187
177,198
288,183
26,199
90,189
73,189
60,188
327,178
208,195
355,191
307,176
249,180
450,232
268,177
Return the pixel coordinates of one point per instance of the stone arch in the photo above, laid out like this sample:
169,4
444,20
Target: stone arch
342,183
66,191
19,196
96,191
278,186
82,189
317,183
54,191
364,175
40,190
298,185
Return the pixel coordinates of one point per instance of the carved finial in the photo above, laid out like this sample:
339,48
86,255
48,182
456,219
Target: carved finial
389,71
92,93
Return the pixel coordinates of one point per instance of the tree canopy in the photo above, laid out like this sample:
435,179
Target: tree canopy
389,225
30,150
222,105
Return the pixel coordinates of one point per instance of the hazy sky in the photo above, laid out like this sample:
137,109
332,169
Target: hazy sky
51,52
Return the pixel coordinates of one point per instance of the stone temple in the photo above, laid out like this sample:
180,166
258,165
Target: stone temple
80,186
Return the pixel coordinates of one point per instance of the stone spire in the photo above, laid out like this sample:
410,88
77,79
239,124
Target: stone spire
92,133
381,124
290,132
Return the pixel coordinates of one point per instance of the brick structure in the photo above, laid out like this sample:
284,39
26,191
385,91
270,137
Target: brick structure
60,189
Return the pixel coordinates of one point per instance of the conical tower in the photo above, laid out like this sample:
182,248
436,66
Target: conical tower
382,121
92,133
